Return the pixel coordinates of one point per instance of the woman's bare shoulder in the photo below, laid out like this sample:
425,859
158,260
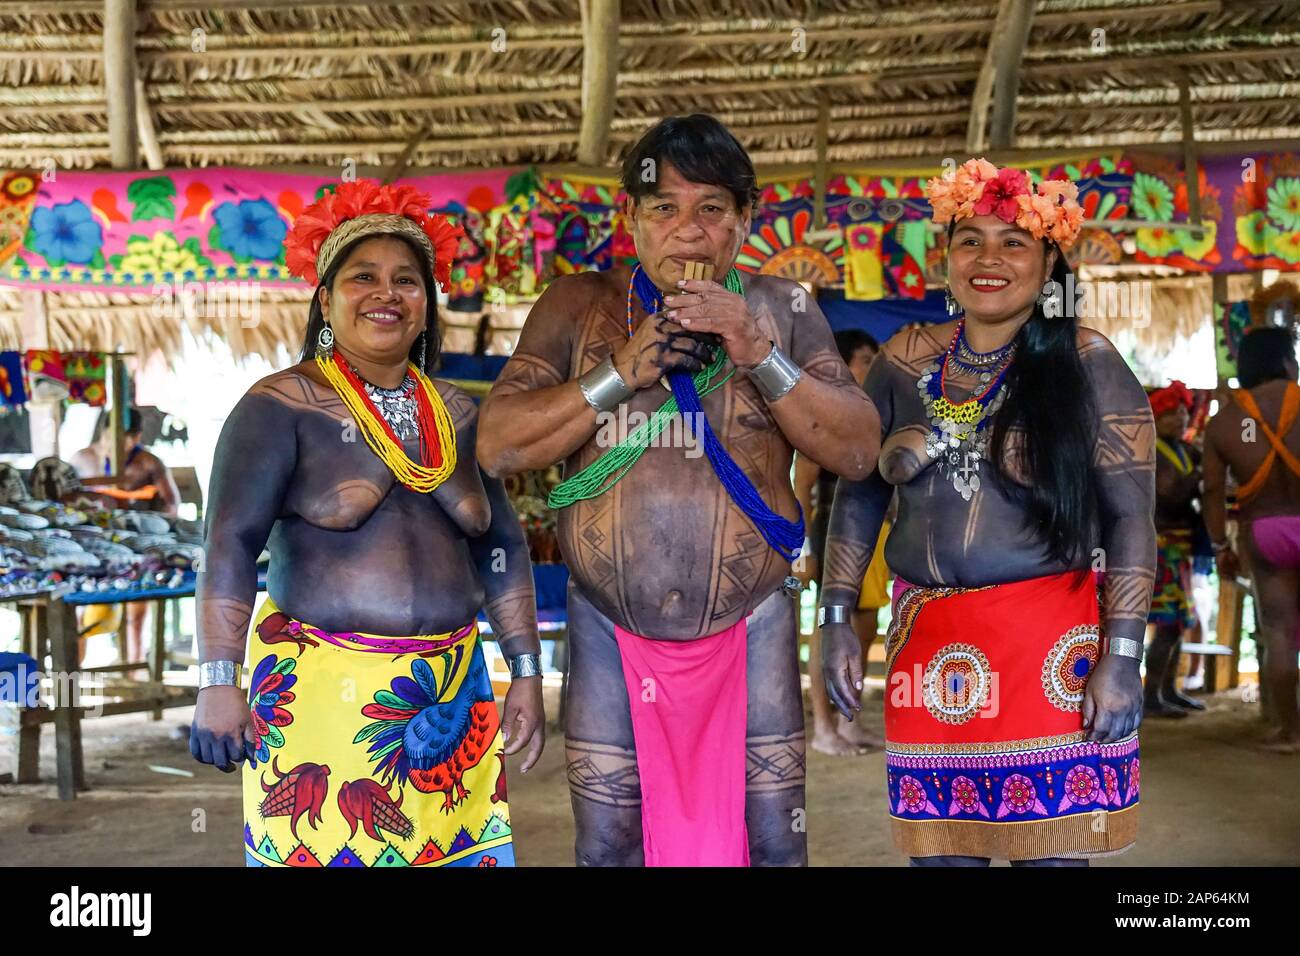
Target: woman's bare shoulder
913,348
301,387
1090,340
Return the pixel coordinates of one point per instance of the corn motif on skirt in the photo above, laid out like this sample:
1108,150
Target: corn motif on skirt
985,750
372,750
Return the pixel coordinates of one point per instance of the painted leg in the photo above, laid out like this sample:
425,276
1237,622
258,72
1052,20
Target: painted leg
1277,589
600,751
1277,617
1162,644
775,808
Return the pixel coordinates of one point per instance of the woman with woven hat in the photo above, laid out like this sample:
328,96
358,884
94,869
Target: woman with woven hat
369,728
1020,446
1178,484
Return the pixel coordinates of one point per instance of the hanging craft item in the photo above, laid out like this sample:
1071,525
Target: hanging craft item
1231,320
47,375
959,430
782,535
13,388
863,277
86,372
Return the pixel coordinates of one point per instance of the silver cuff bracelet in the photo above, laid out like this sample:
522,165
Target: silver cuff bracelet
775,375
219,674
833,614
524,665
1123,647
603,388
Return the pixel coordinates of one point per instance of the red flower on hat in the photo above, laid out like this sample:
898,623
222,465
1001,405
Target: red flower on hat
1001,196
367,197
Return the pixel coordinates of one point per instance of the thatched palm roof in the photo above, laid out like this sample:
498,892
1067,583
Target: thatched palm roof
295,82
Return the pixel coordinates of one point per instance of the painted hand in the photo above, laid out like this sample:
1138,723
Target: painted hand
842,667
1112,701
221,733
657,347
705,306
524,723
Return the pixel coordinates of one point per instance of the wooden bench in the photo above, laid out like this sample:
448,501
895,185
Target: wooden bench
1211,652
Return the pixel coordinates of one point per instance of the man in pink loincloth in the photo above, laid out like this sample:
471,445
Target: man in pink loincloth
685,735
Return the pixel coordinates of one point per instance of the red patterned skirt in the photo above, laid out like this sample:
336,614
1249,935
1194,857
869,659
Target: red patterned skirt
986,753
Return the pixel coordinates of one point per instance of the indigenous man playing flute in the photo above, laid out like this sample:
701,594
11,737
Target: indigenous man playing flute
685,739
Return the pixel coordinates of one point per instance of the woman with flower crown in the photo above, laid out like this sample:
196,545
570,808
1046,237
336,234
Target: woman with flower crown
368,727
1022,450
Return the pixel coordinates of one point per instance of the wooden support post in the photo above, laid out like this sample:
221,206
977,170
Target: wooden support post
119,405
1228,632
61,622
1191,167
29,734
158,646
600,55
119,82
821,173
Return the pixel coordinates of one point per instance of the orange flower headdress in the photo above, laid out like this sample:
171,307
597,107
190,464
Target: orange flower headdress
1047,210
367,208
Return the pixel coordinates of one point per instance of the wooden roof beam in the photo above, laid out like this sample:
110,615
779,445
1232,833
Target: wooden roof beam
153,156
1006,72
119,82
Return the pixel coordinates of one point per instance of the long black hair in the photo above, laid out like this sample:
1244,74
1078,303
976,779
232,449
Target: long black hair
432,330
1049,396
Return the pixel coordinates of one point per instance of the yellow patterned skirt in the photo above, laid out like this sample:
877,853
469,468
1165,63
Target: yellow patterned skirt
372,750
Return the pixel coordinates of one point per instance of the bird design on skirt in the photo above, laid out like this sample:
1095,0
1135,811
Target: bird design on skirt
418,736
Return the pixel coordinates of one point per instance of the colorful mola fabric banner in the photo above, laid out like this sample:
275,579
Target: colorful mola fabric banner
118,231
17,199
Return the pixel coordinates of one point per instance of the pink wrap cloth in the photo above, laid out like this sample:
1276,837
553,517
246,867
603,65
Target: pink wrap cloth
1278,540
689,711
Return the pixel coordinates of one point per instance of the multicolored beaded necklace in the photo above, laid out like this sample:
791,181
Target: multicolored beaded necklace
959,430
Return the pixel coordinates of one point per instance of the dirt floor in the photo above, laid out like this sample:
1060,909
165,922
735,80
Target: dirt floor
1208,798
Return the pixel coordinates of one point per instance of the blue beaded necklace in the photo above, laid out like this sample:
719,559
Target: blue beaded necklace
785,537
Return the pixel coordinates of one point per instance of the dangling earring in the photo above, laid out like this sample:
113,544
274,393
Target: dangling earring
949,303
325,341
1051,301
424,338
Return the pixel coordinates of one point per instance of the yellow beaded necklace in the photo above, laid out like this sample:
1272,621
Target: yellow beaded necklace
379,436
